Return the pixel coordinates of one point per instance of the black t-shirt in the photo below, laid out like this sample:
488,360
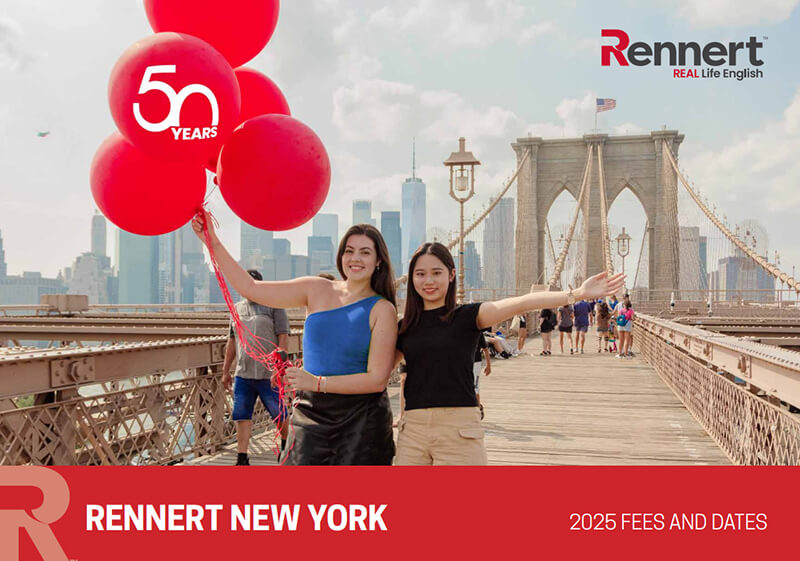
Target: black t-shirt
439,357
479,350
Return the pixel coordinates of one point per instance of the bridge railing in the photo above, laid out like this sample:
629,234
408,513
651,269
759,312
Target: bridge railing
153,423
738,390
754,296
154,402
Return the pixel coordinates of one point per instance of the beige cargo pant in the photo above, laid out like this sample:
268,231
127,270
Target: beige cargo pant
441,436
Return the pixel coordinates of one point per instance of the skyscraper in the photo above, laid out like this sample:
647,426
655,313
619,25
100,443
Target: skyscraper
169,267
414,222
99,234
194,270
286,267
472,265
182,269
90,277
498,246
138,268
690,260
3,267
282,247
362,212
28,288
703,263
392,235
326,225
256,244
321,249
740,277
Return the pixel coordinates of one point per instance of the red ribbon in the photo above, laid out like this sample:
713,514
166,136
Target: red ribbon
254,346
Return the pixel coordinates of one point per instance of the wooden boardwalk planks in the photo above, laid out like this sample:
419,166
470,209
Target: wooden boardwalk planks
590,409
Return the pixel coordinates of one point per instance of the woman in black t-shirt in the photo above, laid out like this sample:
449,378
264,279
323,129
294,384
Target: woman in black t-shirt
441,421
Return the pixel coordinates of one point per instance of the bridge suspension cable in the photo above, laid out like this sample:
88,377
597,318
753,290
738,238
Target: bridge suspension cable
644,257
550,246
609,263
496,201
562,257
773,270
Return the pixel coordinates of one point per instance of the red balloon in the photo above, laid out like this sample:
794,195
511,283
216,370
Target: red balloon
260,96
274,172
239,29
143,195
174,97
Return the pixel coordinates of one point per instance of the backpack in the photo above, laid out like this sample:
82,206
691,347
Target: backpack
622,319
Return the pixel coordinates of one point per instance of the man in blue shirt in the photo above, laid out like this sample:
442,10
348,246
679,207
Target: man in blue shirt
583,318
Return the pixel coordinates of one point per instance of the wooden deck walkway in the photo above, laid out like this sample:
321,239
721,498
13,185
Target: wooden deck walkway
590,409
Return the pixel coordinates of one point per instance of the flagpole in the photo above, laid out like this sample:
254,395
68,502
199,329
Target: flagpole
595,120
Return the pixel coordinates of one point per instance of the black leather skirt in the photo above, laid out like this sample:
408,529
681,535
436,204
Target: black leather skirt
341,430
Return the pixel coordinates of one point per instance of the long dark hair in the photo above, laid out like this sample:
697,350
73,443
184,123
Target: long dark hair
382,281
414,303
602,310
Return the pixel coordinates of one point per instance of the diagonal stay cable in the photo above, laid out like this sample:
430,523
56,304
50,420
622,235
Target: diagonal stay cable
763,263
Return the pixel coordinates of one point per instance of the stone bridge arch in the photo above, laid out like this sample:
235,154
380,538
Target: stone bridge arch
634,161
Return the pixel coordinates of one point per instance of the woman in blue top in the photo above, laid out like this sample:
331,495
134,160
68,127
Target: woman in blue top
351,328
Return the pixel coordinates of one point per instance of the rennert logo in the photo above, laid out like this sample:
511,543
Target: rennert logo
642,54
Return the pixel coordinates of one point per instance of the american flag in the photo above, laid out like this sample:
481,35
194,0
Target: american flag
605,104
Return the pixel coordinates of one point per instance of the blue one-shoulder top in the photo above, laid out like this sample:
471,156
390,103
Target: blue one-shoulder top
336,342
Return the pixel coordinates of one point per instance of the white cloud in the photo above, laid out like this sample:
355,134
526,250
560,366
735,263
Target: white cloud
575,112
756,175
716,13
344,30
454,116
474,23
355,66
531,33
13,54
629,128
373,110
378,110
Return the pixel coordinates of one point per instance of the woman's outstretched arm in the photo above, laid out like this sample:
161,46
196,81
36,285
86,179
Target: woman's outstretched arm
597,286
281,294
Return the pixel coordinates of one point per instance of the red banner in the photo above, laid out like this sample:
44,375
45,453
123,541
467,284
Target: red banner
173,513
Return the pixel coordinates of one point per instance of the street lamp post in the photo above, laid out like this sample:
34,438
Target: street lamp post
623,246
462,187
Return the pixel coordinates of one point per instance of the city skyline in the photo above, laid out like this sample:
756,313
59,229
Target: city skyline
350,78
172,268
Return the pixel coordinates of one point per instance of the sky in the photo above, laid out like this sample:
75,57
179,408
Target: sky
368,76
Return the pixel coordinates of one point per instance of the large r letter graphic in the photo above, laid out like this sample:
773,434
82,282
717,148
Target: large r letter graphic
54,504
607,50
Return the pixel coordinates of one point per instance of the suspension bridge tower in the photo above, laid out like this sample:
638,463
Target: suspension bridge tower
637,162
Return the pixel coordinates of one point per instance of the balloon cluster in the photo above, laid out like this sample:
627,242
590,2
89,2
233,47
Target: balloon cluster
182,103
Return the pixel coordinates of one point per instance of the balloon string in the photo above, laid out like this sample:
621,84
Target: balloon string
209,193
275,361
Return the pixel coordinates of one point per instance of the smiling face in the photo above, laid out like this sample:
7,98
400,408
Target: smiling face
431,280
359,259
